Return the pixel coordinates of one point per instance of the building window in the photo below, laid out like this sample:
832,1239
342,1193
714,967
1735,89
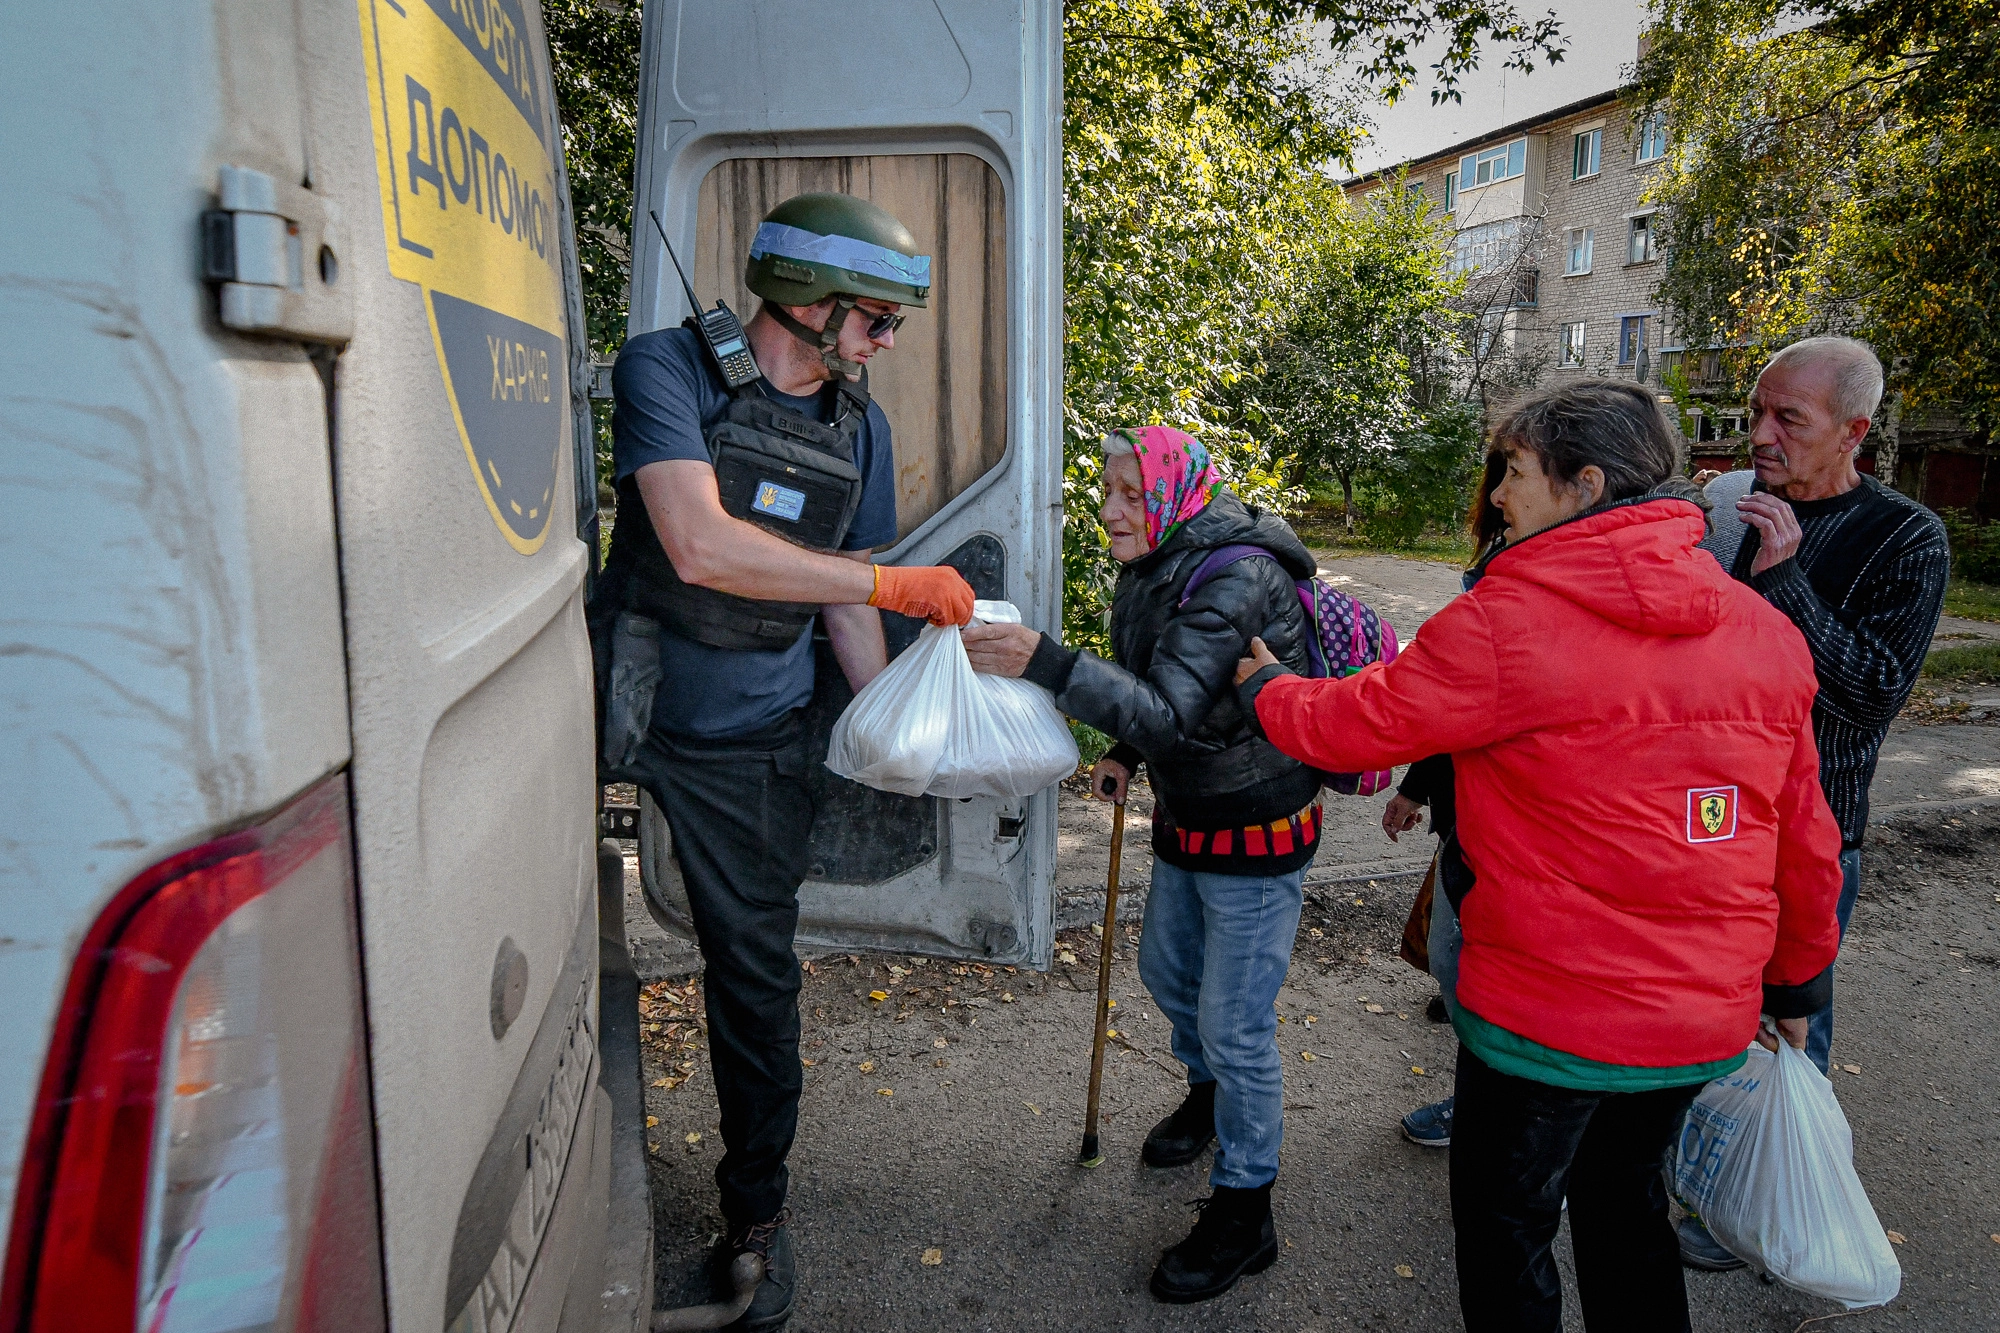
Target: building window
1577,258
1450,190
1584,154
1653,137
1495,164
1644,245
1485,333
1527,289
1488,246
1572,344
1416,188
1631,339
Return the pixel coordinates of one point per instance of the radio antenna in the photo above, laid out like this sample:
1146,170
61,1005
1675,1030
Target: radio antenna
686,286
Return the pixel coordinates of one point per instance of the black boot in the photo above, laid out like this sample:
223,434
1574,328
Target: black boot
772,1305
1232,1237
1180,1138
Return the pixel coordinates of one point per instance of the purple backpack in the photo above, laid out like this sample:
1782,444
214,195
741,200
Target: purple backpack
1347,636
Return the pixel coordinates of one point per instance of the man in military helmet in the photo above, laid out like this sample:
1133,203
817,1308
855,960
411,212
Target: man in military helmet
742,516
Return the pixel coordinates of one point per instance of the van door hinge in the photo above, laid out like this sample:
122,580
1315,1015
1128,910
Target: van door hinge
275,250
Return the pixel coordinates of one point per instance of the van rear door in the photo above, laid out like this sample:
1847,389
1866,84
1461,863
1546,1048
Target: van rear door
474,800
948,114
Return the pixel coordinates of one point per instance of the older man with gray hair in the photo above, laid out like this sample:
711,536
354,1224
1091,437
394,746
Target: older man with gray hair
1858,567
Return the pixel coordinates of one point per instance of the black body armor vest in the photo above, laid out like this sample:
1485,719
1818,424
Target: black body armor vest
786,473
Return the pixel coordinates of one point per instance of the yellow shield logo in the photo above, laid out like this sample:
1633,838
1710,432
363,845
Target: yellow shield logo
1714,810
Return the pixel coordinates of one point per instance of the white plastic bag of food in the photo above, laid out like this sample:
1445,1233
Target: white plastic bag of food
1767,1159
930,725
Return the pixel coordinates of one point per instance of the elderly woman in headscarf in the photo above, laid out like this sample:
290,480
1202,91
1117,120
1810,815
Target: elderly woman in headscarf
1234,824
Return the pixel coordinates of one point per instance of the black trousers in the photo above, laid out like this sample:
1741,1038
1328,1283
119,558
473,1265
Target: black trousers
1517,1148
741,816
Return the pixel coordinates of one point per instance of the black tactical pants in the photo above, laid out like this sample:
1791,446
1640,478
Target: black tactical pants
1518,1147
741,816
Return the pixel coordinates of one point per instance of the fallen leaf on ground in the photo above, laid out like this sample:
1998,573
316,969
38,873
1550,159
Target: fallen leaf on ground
932,1257
867,1066
1404,1270
1995,1238
693,1137
886,1092
1417,1069
1311,1019
940,1043
1097,930
1315,934
663,1083
1307,1055
878,995
1376,1009
940,1064
1897,1238
1066,957
1111,1004
1032,1107
807,1063
652,1121
1852,1069
1006,997
1111,1032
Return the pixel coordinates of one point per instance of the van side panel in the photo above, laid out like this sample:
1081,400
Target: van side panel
170,629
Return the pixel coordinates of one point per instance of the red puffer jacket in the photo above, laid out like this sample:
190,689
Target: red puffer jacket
1638,788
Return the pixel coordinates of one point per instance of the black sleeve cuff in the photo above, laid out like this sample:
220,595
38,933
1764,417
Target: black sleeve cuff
1801,1001
1050,666
1127,755
1777,576
1247,692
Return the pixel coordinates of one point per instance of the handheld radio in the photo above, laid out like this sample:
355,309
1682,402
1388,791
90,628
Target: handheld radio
721,332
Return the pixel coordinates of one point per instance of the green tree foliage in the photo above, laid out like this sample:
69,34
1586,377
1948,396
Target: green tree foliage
1198,214
1357,386
1834,177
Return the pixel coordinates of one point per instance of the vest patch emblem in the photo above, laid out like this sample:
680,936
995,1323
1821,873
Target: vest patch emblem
1711,814
779,501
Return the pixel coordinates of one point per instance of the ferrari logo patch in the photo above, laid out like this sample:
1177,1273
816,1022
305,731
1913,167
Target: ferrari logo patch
1711,814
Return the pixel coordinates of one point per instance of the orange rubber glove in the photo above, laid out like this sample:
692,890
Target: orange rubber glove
938,593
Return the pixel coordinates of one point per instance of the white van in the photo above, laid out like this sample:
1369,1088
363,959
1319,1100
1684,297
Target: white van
319,1009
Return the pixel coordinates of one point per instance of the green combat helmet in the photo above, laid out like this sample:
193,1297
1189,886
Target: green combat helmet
814,246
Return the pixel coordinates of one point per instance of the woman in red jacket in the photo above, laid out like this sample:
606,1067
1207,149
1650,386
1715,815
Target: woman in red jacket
1652,862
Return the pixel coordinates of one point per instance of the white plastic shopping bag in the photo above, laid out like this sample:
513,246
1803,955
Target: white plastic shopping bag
930,725
1767,1159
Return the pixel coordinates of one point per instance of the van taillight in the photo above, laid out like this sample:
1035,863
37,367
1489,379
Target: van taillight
202,1157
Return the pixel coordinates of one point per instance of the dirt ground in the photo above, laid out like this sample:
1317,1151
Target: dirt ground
935,1185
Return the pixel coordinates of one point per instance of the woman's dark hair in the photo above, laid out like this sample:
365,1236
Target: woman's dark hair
1483,518
1613,424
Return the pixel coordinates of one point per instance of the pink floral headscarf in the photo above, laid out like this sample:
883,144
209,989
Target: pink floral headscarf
1178,479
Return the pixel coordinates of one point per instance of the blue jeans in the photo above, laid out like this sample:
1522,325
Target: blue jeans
1819,1037
1444,942
1214,951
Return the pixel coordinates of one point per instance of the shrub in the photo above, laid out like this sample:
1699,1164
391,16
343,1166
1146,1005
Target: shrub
1975,546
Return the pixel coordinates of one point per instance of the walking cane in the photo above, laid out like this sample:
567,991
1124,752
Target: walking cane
1091,1156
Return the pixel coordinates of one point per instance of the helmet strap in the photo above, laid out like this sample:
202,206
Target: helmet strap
826,341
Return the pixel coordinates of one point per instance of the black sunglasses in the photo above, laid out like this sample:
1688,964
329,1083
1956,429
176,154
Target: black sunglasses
882,324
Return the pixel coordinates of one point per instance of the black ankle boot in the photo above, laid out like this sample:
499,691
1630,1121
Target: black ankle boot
1232,1237
1180,1138
772,1305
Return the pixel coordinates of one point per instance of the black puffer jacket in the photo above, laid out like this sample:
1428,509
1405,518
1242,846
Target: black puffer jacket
1171,698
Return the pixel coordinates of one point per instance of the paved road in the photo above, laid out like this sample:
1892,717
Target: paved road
971,1151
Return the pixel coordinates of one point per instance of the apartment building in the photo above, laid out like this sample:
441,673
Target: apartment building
1551,222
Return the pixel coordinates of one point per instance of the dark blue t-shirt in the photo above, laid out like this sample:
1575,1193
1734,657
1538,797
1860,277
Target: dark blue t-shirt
665,393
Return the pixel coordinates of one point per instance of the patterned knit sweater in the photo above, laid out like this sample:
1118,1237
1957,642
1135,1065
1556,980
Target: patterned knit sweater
1866,589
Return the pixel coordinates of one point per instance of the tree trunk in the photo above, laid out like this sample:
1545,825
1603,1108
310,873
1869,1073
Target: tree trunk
1347,502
